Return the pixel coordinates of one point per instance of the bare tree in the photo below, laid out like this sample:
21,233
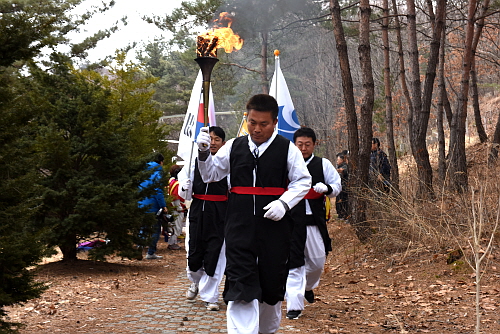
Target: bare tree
419,119
440,111
483,137
357,203
388,98
458,163
368,92
495,145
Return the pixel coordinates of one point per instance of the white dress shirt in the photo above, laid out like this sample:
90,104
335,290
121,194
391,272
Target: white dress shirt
332,178
217,166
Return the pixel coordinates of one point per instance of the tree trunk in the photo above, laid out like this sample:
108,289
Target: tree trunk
68,247
420,119
402,71
458,161
414,75
263,63
447,108
483,137
356,200
440,111
388,99
368,95
495,145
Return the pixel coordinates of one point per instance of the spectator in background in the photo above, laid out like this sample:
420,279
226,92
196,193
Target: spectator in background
380,168
155,204
178,205
342,200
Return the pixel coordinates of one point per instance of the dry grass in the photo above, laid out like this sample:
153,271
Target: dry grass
403,224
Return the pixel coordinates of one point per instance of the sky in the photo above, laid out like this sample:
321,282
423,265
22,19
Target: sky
136,30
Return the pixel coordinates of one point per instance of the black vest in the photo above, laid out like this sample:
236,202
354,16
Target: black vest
318,217
213,188
271,168
315,167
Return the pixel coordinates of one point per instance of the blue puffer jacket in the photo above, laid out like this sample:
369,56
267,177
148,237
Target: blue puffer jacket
157,201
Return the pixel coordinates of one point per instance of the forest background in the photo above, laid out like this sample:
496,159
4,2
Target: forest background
75,135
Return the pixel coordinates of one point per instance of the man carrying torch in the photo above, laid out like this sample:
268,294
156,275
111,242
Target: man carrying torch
267,176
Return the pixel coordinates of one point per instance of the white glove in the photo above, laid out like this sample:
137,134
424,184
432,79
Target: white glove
186,184
275,210
320,188
186,189
203,139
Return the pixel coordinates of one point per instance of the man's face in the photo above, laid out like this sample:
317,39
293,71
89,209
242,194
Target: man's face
340,161
260,125
216,143
305,145
374,146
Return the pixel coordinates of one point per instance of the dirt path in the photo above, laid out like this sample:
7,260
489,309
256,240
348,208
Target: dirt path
359,293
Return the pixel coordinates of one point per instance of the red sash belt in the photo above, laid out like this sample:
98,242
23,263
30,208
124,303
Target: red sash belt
212,198
313,195
258,190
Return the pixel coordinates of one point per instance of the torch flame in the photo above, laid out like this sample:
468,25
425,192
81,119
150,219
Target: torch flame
219,37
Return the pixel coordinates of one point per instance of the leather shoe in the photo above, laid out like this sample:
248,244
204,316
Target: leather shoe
309,296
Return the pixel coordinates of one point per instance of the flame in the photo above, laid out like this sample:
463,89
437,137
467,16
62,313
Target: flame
221,36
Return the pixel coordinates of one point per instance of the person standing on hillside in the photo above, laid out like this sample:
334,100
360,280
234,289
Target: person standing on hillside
342,200
380,168
205,238
311,242
155,204
267,177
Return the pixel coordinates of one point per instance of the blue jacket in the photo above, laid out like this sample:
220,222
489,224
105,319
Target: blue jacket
157,201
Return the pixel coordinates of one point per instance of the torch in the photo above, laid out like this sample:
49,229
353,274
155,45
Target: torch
206,52
206,59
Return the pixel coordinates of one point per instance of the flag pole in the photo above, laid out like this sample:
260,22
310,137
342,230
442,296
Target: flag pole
242,122
276,65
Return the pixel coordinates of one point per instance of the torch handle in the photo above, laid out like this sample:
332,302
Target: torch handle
206,101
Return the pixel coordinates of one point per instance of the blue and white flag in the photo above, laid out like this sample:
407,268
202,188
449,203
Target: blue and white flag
288,122
194,119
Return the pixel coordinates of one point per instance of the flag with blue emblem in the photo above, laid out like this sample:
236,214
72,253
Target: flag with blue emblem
288,122
194,119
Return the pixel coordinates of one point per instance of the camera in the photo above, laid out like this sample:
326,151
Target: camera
165,216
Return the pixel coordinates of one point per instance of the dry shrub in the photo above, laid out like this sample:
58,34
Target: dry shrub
402,223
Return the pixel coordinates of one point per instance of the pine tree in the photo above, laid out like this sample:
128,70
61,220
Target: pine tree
94,137
25,28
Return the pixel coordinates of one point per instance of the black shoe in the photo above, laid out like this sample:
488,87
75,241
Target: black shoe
293,314
309,296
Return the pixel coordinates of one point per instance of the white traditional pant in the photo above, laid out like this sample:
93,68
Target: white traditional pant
208,286
178,224
315,257
306,277
253,317
295,287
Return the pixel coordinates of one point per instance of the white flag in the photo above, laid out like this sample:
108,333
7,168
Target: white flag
288,122
194,119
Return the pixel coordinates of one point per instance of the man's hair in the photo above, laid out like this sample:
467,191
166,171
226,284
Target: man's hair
174,170
218,132
341,155
263,102
375,140
159,158
305,132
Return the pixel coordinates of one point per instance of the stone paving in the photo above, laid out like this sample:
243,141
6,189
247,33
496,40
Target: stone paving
167,311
